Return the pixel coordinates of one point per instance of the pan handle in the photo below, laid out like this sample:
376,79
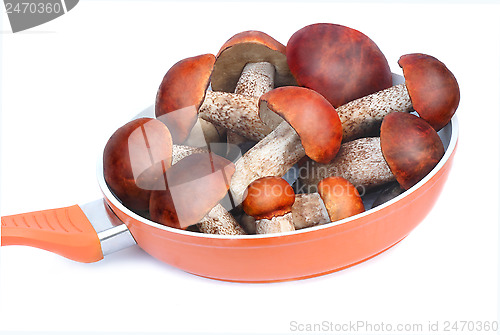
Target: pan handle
65,231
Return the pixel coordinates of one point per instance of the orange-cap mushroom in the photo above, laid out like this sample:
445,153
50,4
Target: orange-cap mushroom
408,149
341,198
335,200
411,147
192,188
269,200
339,62
251,63
183,96
128,157
309,126
432,87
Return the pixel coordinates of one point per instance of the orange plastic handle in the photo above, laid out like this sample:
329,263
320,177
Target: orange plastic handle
65,231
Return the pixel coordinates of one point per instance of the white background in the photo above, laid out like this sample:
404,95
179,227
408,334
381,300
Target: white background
68,84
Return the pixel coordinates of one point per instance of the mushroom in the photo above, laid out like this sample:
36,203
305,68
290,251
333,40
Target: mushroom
184,87
407,150
339,62
269,200
247,64
336,199
251,63
129,156
200,176
430,89
310,127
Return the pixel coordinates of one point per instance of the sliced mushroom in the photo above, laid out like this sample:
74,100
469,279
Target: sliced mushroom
407,150
269,200
311,127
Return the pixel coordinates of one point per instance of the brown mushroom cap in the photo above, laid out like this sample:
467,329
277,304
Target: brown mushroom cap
268,197
341,198
311,115
433,89
411,147
194,185
339,62
181,93
129,154
249,47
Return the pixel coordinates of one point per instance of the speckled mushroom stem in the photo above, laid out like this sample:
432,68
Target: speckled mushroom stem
309,210
277,224
235,112
256,79
362,117
220,222
180,151
272,156
360,161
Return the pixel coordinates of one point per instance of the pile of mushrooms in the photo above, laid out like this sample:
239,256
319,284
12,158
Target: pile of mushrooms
324,105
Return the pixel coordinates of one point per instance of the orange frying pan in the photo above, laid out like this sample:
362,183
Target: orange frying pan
86,233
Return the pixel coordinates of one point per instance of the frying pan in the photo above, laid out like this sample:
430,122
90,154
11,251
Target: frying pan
88,232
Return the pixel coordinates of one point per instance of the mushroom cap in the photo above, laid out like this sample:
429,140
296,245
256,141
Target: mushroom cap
128,156
311,115
433,89
341,198
249,47
193,186
268,197
339,62
181,94
411,147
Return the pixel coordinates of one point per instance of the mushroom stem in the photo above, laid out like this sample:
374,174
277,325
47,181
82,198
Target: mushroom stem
362,117
235,112
181,151
256,79
309,210
277,224
360,161
220,222
272,156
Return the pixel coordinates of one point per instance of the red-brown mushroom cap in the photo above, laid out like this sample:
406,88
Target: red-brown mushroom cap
341,63
311,115
129,154
268,197
341,198
433,89
181,94
194,185
411,147
249,47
